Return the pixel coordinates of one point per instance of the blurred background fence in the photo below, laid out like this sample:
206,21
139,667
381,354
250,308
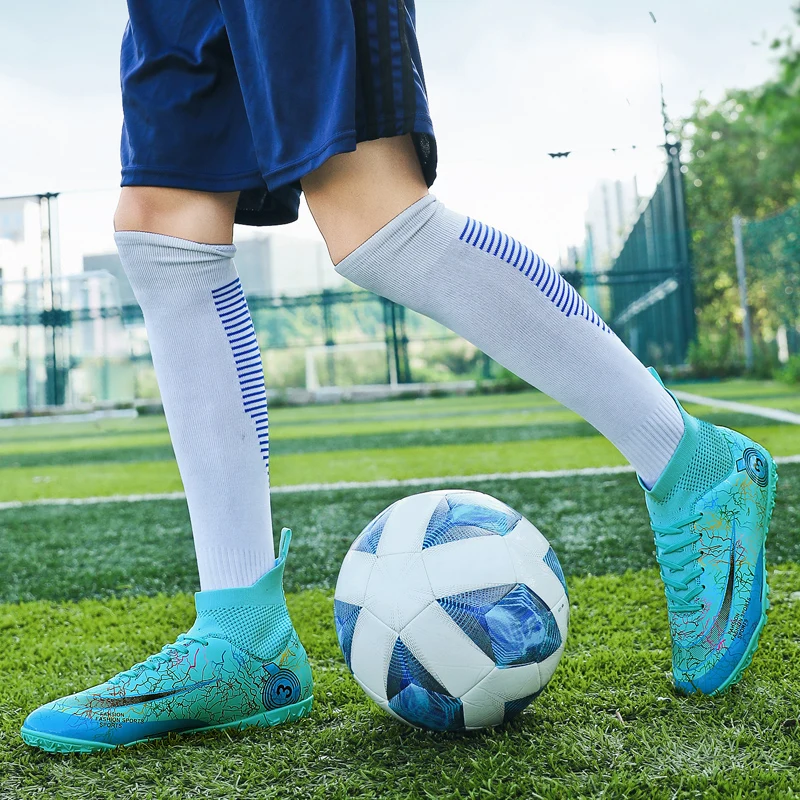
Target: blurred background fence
79,338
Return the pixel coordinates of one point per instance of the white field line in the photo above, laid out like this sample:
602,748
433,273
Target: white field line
759,411
304,488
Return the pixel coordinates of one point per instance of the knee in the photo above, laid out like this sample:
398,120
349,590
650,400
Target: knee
199,216
353,195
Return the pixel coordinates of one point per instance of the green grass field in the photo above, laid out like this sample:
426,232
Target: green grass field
87,590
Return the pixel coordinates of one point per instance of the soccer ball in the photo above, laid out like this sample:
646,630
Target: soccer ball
451,610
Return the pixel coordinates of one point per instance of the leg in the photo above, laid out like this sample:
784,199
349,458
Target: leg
353,195
186,125
208,366
709,491
561,347
209,370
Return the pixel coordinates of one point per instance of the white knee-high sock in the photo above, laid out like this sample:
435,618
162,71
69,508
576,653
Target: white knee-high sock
502,297
209,371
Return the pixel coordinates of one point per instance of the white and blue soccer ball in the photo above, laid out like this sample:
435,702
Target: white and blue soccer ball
451,610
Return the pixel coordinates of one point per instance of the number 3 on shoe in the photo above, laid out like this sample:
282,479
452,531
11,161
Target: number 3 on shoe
240,665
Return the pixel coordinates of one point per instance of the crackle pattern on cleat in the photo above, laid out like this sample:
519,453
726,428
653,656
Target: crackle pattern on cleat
211,686
710,545
241,665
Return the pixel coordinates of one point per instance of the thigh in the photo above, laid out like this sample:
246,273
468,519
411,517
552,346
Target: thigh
205,217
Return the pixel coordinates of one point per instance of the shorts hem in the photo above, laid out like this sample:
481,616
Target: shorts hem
177,179
295,170
345,143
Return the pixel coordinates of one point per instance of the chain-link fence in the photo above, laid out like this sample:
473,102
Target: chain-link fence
769,255
647,295
80,339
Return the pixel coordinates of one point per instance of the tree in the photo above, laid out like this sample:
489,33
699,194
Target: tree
743,157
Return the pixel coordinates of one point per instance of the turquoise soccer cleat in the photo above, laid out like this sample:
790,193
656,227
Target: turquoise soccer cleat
240,665
710,512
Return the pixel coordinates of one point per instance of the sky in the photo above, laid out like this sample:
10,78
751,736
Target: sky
509,81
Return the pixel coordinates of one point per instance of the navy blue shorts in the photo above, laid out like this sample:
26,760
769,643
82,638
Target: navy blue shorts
220,95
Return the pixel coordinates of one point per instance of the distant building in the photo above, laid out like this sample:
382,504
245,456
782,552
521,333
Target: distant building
269,266
20,245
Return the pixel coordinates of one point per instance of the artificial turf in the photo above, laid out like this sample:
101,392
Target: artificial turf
609,724
103,586
597,524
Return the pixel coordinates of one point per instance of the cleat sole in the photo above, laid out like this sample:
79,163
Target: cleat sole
268,719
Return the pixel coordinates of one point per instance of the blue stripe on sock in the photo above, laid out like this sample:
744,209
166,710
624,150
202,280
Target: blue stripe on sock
538,270
531,265
232,313
525,252
514,246
552,285
216,292
259,372
559,291
229,328
237,323
232,301
251,334
242,353
572,304
229,293
237,313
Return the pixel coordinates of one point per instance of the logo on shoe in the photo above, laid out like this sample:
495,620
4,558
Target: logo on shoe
122,701
282,687
755,465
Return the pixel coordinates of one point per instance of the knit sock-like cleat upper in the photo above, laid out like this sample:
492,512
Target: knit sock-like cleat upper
710,512
241,664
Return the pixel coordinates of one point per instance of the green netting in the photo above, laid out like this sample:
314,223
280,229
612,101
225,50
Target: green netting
649,298
772,256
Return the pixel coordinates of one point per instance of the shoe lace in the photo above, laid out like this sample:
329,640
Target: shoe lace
167,651
675,567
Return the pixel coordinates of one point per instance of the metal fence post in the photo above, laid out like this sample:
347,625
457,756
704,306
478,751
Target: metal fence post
741,274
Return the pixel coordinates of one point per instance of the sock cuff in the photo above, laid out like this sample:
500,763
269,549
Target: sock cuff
157,263
156,240
389,242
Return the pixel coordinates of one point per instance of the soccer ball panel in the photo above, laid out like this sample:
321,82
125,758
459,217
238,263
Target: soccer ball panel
351,586
404,529
371,651
469,564
561,612
445,651
345,617
482,710
465,515
417,696
398,589
529,538
548,666
502,694
528,548
509,683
